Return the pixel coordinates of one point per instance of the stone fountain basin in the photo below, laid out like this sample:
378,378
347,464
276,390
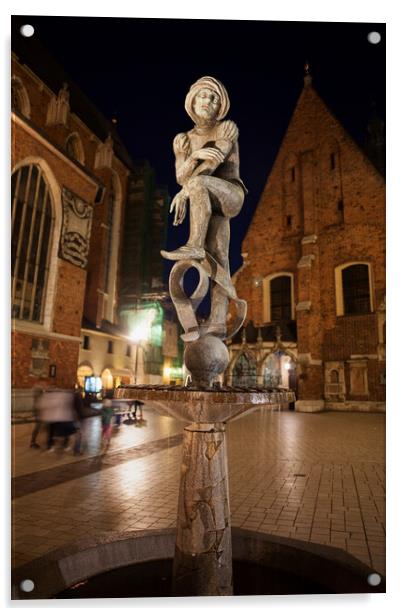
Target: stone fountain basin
269,565
213,405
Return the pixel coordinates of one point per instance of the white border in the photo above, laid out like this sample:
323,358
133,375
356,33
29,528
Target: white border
308,10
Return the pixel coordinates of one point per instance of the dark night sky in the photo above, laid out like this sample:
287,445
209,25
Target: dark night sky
139,70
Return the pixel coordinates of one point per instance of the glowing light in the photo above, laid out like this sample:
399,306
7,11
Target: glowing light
167,372
142,328
288,366
93,384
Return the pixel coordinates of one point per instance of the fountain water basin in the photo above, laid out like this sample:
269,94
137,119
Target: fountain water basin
210,405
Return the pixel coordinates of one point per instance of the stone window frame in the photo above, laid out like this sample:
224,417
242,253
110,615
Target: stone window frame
339,298
49,292
23,96
266,290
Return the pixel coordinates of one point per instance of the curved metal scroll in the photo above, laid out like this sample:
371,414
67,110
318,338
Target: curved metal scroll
186,307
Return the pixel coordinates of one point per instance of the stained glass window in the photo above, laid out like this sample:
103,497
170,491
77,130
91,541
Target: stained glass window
245,371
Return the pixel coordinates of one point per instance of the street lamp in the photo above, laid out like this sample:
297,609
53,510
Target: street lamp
141,333
137,338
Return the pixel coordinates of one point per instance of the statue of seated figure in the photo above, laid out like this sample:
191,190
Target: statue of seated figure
207,168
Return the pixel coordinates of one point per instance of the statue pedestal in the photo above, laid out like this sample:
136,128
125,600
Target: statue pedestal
203,554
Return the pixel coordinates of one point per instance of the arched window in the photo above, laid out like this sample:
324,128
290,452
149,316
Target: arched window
281,298
84,371
31,232
245,371
16,102
74,147
278,302
19,98
272,370
353,289
356,289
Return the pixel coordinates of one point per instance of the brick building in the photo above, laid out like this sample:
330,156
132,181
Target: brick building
69,181
314,270
75,214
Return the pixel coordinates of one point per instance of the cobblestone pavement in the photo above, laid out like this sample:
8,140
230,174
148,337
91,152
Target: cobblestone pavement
316,477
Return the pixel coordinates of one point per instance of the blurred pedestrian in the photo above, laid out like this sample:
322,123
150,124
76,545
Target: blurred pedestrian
37,394
107,422
56,410
117,419
79,422
138,407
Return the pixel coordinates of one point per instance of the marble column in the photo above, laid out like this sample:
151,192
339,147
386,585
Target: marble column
203,554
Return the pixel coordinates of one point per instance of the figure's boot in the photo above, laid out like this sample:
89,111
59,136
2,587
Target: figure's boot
194,249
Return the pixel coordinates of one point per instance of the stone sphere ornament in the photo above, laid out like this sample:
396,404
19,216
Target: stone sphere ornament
206,359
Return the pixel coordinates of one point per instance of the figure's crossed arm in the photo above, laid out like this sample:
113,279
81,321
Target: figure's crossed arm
188,164
185,163
226,138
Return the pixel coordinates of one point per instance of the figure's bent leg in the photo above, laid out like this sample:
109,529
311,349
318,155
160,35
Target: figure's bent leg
218,246
200,214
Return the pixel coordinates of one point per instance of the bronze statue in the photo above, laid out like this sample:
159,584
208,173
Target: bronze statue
207,168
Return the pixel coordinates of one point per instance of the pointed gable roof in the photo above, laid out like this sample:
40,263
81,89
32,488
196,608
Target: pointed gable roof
312,124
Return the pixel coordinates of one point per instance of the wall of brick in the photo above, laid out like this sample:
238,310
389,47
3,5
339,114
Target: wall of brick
98,247
39,97
324,189
24,145
69,299
74,286
62,353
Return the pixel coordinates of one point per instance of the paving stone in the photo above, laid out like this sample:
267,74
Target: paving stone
340,502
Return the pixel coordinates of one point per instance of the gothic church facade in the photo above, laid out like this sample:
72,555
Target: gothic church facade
314,270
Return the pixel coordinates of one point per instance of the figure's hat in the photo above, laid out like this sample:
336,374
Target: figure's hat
214,85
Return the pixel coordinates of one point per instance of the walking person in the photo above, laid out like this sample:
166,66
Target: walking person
107,423
56,411
37,394
138,407
79,423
